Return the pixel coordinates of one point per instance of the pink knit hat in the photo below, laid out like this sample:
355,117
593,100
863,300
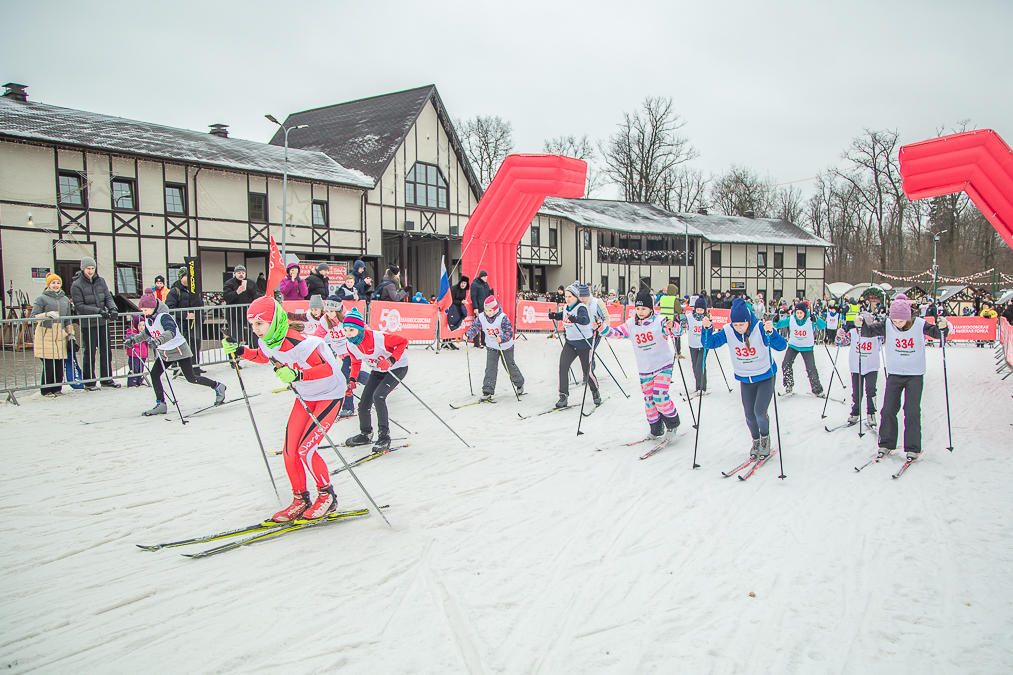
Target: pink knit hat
148,301
900,309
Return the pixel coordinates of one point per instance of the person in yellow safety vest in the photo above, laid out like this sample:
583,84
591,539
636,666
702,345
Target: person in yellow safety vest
988,313
853,308
671,308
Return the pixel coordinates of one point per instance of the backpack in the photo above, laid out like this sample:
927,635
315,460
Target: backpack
385,282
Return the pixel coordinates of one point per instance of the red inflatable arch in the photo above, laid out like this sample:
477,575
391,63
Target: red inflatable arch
977,162
505,211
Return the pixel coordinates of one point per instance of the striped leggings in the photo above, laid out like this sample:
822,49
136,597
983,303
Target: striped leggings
655,387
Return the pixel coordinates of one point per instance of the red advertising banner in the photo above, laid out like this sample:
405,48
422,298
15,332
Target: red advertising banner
616,314
446,333
720,317
335,276
971,328
534,315
1006,335
407,319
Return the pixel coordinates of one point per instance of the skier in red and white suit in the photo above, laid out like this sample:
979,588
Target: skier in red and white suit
308,364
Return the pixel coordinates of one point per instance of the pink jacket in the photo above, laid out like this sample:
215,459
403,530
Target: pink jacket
292,290
140,350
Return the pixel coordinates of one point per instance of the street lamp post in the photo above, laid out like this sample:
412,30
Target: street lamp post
284,186
935,267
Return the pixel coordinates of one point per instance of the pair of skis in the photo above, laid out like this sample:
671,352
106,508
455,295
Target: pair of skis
260,532
659,442
878,457
567,407
342,445
749,467
370,456
479,401
206,408
824,397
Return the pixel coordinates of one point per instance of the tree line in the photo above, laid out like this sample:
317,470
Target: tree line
857,203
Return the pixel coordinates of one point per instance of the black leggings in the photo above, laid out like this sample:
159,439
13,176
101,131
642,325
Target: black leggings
186,367
566,357
374,395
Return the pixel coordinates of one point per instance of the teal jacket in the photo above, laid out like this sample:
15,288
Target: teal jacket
818,324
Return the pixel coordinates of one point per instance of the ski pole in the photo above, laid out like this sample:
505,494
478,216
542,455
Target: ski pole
340,456
467,358
502,357
682,374
777,420
401,382
716,356
168,381
621,369
242,386
857,392
559,337
946,389
699,406
834,362
587,342
389,418
587,380
830,386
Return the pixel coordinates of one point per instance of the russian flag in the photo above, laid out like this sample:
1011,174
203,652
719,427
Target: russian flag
443,297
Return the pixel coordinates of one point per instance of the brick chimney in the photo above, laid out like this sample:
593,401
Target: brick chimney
702,212
16,91
220,130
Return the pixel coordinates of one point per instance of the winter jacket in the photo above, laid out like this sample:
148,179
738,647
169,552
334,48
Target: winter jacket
713,339
169,331
160,293
988,313
419,299
389,291
316,284
344,293
90,296
457,294
479,292
180,297
361,287
232,296
292,290
50,341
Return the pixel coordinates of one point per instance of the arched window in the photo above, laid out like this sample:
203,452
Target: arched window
425,186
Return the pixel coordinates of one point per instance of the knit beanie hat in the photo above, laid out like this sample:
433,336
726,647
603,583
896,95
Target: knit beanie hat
740,311
182,272
900,309
802,307
574,288
88,262
583,291
329,305
323,267
238,268
290,266
148,301
354,319
393,270
51,276
701,302
644,299
159,278
491,303
316,302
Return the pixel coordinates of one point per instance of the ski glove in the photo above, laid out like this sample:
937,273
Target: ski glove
288,375
383,364
230,346
556,316
53,314
350,388
131,340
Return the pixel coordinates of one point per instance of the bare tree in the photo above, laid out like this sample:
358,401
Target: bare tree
578,148
740,190
686,190
487,141
788,204
645,148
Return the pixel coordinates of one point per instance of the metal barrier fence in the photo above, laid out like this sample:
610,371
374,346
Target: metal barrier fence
36,352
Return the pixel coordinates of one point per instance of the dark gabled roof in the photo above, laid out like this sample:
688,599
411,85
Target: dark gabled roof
365,134
29,120
651,219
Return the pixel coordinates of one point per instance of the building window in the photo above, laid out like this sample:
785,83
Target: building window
715,257
779,261
604,284
258,207
71,189
655,244
634,244
645,284
800,293
175,199
800,257
587,240
128,279
552,237
536,236
123,194
621,287
320,214
761,258
425,186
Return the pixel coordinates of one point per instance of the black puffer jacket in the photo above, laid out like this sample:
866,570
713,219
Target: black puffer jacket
316,285
91,296
479,292
457,294
180,297
231,295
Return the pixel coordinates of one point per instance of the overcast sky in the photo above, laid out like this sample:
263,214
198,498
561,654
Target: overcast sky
778,86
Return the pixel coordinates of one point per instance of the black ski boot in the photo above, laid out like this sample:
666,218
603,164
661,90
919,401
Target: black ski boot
359,439
382,443
658,428
562,402
596,397
671,423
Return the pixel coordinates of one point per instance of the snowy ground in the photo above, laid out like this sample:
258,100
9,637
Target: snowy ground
527,553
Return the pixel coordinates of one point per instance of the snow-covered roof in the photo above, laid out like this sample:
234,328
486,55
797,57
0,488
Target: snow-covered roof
617,216
651,219
1004,297
364,134
944,293
34,121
